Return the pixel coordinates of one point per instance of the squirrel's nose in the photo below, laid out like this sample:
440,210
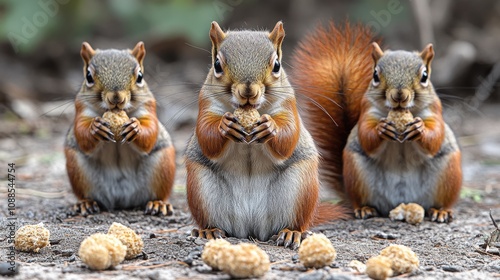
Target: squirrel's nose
248,91
116,99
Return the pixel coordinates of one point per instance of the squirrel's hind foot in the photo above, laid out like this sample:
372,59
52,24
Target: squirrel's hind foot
441,215
365,212
159,207
86,207
211,233
291,238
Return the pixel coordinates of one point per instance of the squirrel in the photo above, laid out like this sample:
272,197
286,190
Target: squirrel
127,166
350,88
262,183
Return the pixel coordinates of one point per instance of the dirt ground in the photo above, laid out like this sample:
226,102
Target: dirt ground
446,251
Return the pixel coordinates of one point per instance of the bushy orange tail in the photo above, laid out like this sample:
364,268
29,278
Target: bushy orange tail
332,68
327,212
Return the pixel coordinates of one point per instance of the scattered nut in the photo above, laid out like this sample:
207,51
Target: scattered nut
404,260
244,261
211,254
247,117
31,238
317,251
116,119
400,118
412,213
128,238
101,251
379,268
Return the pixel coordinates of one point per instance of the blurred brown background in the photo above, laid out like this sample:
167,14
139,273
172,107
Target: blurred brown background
41,69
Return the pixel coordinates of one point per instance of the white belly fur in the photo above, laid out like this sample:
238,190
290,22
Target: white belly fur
249,198
117,175
401,173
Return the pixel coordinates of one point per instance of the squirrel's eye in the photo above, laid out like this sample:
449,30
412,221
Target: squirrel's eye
89,79
139,78
425,77
277,66
217,67
376,78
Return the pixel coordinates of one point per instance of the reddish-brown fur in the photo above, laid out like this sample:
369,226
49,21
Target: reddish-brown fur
433,135
448,190
358,193
194,199
84,138
77,178
306,203
332,67
283,145
369,138
211,141
146,139
163,178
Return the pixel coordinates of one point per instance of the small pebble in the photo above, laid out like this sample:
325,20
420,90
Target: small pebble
72,258
389,236
452,268
195,254
199,241
67,253
188,260
152,235
295,258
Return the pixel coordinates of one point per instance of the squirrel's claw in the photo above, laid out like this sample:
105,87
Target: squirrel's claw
441,215
290,238
212,233
386,130
414,130
86,207
365,212
231,129
266,130
159,207
131,130
100,130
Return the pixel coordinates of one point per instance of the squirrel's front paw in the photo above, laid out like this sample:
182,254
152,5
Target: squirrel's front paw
211,233
101,131
414,130
386,130
266,130
231,129
131,130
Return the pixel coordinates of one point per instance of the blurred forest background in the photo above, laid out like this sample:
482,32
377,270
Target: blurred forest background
40,40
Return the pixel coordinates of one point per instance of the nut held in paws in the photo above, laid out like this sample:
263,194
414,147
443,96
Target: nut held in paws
116,119
247,117
400,118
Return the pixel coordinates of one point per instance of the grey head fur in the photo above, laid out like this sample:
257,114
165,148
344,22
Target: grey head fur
403,67
114,68
249,55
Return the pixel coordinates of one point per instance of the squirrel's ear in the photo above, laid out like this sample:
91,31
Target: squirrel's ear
139,52
276,36
87,52
216,36
377,52
427,55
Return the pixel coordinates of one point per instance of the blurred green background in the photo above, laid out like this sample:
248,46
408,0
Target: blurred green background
40,70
